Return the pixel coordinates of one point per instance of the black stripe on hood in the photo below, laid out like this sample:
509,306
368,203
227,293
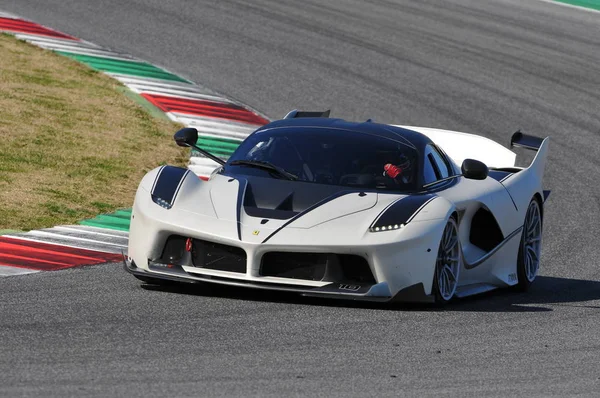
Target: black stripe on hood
167,184
402,211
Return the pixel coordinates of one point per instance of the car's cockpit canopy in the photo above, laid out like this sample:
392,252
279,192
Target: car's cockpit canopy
332,156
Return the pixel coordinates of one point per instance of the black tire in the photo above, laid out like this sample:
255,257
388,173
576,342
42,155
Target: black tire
450,257
529,249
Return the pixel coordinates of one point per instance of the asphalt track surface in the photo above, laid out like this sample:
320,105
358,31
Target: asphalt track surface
486,67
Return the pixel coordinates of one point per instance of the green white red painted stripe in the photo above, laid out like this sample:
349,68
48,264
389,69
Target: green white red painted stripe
34,255
222,124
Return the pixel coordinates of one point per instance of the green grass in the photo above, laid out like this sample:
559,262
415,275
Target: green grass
72,144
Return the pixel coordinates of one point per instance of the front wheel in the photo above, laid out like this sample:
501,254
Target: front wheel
447,265
528,262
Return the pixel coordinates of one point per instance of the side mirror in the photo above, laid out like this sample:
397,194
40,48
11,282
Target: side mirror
474,169
186,137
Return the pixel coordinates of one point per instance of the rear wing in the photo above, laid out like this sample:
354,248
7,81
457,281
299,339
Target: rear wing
521,140
296,114
533,143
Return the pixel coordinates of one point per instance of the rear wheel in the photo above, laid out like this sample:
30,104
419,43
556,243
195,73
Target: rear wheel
447,265
528,262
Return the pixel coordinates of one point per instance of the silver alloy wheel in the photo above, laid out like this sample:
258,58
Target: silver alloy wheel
447,266
532,240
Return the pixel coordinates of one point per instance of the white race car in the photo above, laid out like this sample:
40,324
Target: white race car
330,208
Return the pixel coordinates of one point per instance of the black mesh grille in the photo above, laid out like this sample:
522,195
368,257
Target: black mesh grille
174,250
307,266
325,267
218,257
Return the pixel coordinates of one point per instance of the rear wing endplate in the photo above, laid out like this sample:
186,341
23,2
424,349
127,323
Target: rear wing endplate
519,139
296,114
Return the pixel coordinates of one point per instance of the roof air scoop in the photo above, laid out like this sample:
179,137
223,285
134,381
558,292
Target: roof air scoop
296,114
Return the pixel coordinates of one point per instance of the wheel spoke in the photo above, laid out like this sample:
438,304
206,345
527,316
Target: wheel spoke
446,284
533,253
442,283
531,228
532,221
448,261
447,235
529,216
450,273
531,266
450,244
532,237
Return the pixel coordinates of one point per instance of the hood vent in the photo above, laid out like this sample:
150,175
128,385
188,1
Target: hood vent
282,199
281,211
287,203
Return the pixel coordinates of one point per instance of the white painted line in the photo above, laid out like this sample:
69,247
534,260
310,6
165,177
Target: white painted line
120,77
42,234
97,239
33,239
128,79
53,40
158,85
558,3
6,270
87,51
141,87
200,172
178,94
202,166
84,231
202,161
213,126
113,232
215,121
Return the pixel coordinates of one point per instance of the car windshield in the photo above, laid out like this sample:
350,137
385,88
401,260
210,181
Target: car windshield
328,156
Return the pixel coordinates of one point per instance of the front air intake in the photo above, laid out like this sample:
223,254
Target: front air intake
218,257
326,267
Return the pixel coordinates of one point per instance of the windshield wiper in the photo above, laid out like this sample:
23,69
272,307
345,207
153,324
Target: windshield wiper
259,164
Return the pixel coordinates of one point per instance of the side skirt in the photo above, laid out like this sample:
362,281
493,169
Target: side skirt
476,288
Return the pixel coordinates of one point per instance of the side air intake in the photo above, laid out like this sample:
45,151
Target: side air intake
296,114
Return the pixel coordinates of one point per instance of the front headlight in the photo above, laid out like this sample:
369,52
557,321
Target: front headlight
400,212
381,228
